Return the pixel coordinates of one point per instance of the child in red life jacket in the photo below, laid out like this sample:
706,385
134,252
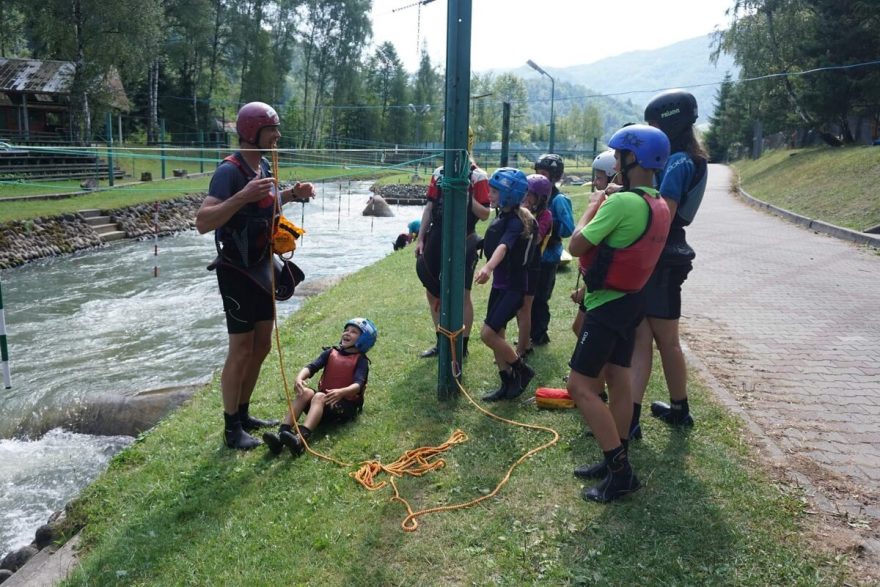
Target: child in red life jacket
340,394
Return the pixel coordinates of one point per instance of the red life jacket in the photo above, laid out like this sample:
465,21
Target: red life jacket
628,269
339,373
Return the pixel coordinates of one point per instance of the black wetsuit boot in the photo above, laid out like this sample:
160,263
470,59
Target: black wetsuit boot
249,423
501,393
235,436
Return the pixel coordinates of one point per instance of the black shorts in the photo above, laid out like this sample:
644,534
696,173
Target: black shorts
663,290
502,308
608,335
429,262
343,411
244,302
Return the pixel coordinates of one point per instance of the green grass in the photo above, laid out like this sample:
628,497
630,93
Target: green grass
834,185
129,193
176,508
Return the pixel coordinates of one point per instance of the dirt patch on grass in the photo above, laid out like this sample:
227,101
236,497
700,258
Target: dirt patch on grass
843,514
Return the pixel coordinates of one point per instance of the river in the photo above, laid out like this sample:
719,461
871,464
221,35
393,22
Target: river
99,322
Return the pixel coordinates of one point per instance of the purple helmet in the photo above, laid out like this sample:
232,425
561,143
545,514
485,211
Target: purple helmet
540,186
650,145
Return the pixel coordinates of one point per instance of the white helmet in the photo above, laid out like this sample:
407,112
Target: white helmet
604,161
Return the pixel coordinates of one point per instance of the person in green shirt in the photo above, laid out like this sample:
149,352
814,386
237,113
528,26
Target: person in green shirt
621,236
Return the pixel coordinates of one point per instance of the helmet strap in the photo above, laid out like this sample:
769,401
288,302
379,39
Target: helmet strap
624,169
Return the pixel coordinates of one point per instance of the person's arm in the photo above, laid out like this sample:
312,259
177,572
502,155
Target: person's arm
304,375
423,228
480,211
215,212
579,244
349,392
486,270
300,192
566,216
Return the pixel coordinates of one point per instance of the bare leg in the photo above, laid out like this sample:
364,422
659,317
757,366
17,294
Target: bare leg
619,396
468,312
585,393
524,322
316,411
642,360
505,355
674,365
261,345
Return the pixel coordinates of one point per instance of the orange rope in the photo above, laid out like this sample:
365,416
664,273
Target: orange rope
416,463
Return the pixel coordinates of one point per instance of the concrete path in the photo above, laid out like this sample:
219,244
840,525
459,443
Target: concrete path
788,322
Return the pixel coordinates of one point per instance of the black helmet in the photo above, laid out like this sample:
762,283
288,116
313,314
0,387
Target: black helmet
672,111
553,164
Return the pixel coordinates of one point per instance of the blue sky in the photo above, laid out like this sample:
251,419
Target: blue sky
508,32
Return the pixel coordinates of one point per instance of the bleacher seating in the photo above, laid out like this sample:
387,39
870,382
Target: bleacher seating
21,162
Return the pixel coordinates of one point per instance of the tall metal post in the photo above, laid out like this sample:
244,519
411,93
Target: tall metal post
162,145
505,133
456,167
201,151
109,124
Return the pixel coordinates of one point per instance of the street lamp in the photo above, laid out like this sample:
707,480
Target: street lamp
537,68
420,110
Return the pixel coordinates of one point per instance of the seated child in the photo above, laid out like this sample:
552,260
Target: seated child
340,394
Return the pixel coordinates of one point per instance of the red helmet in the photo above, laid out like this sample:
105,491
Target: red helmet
253,117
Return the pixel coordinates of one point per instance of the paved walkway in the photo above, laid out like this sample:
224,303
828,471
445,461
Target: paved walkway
788,322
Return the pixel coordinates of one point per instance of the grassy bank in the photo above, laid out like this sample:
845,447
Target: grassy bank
139,193
177,508
833,185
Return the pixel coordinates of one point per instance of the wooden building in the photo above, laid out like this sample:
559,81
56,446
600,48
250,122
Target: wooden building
35,99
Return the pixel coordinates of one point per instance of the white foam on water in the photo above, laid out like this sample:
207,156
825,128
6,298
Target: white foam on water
39,477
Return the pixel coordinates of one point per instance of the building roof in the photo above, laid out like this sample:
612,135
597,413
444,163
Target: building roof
35,76
52,78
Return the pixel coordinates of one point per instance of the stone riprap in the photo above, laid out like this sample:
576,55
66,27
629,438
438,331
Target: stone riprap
22,241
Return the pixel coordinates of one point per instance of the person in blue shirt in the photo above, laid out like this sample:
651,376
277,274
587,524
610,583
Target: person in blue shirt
682,184
550,166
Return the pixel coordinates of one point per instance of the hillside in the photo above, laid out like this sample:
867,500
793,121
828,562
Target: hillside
638,75
683,64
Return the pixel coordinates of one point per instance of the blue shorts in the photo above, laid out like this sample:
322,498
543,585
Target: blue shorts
502,308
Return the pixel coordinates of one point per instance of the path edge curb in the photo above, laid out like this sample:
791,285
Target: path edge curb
846,234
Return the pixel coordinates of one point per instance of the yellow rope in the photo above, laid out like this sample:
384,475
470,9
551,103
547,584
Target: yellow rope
416,463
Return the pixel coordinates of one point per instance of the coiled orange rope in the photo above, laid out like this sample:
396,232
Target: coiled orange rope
416,462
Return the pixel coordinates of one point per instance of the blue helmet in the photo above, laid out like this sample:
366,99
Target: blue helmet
648,144
511,184
368,336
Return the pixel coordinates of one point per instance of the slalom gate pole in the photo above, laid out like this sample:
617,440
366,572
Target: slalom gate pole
4,351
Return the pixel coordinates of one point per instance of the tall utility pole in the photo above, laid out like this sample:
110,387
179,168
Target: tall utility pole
537,68
456,168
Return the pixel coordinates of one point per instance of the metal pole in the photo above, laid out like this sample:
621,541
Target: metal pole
4,351
162,144
505,133
456,167
109,125
552,116
201,151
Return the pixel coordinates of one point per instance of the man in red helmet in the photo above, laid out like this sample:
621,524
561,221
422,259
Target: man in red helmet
240,209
